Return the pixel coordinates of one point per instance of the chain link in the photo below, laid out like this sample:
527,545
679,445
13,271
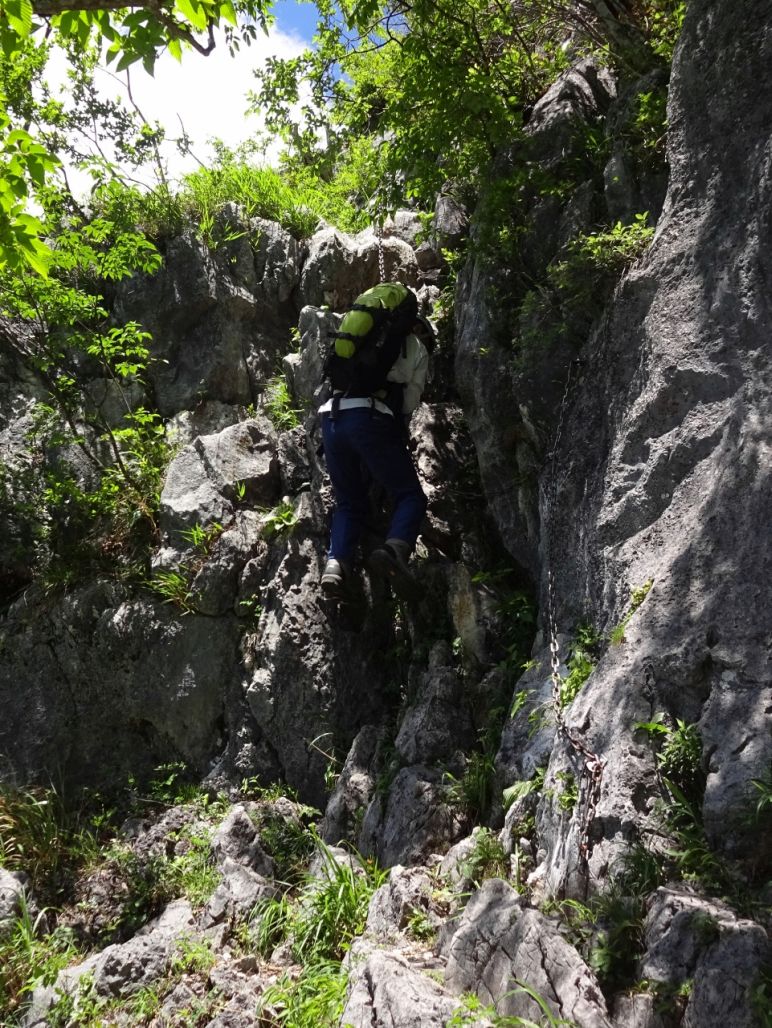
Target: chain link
592,765
381,259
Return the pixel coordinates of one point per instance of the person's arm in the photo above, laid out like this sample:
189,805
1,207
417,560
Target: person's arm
411,371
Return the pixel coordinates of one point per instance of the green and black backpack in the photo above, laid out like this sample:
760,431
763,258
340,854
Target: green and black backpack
369,339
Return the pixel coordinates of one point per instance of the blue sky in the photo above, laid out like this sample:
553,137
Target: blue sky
295,18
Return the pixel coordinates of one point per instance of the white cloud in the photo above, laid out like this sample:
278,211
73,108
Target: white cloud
207,95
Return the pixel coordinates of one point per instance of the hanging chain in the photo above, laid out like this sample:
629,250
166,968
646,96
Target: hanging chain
592,764
381,260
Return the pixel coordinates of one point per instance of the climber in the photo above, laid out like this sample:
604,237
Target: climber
365,439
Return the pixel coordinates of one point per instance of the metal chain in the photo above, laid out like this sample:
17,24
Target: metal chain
592,764
381,260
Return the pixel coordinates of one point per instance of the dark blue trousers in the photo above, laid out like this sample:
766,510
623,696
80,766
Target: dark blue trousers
361,444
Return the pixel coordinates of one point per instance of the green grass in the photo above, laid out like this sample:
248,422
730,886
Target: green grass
297,201
319,920
278,405
313,1000
583,656
487,858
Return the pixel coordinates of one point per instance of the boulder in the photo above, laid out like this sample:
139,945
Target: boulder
237,894
14,896
353,790
122,969
437,725
417,819
502,949
164,692
340,267
407,892
690,938
386,992
237,838
202,483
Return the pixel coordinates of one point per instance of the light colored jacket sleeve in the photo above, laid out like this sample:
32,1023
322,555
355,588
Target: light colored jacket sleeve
411,371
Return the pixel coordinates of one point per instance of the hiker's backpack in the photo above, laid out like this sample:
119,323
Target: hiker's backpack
369,339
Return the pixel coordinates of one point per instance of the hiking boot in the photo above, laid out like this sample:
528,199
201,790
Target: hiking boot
390,562
333,581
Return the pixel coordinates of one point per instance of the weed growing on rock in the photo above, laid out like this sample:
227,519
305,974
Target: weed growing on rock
153,881
324,915
334,907
191,956
761,999
173,586
637,596
31,955
612,251
473,1011
268,926
279,520
679,755
318,921
515,614
607,931
687,852
583,656
277,403
288,840
313,999
47,840
487,858
520,790
420,927
203,538
472,793
568,795
762,811
564,305
333,766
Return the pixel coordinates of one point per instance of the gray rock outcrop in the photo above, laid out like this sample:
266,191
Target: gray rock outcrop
385,992
499,948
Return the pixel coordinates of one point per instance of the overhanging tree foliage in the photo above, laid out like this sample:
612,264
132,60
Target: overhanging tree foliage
438,86
127,34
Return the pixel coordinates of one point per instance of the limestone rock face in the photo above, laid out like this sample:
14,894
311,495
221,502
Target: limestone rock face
219,319
385,992
339,267
506,406
498,943
101,654
202,481
417,819
664,465
691,938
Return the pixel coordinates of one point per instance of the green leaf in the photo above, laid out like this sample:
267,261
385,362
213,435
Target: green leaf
228,12
175,49
125,61
193,12
19,15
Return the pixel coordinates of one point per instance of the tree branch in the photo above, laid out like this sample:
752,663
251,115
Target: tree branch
161,11
50,8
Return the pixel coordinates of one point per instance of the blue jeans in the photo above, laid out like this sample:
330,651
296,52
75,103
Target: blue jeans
360,444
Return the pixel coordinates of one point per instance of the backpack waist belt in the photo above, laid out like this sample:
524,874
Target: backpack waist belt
349,402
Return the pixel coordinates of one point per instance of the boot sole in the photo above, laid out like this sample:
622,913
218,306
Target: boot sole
333,589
